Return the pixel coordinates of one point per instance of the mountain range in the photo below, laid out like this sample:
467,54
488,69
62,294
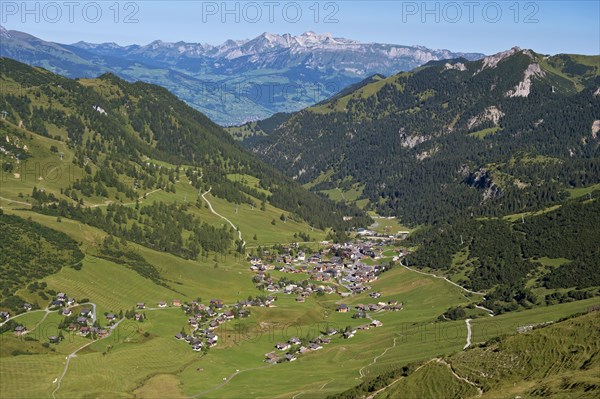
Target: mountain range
119,196
237,81
509,133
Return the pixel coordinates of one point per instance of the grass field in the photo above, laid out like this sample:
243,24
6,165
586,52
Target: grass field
480,134
147,364
249,181
385,225
111,286
350,195
253,222
433,380
540,363
406,336
341,104
145,361
517,216
45,170
581,191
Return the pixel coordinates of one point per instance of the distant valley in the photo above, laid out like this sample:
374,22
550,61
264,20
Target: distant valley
428,230
237,81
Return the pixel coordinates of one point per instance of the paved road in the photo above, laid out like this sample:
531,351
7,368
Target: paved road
22,314
48,311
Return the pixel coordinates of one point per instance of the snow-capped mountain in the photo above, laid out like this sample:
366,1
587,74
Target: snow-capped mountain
238,80
267,51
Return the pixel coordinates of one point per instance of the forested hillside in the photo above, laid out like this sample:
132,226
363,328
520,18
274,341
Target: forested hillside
510,259
30,251
120,133
505,134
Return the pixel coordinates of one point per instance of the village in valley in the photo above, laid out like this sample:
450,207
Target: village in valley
334,269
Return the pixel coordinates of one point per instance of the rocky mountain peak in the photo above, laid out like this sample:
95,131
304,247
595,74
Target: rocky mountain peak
4,33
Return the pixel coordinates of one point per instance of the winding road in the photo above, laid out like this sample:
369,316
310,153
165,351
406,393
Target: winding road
127,203
360,372
87,206
437,360
458,377
74,354
223,217
228,379
490,312
469,334
48,311
374,394
22,314
444,278
16,202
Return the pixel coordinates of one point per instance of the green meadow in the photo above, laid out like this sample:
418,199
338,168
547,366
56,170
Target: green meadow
144,360
139,356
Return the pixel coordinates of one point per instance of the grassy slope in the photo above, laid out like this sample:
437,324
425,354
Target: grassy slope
45,170
252,221
111,287
480,134
134,360
560,361
434,380
330,370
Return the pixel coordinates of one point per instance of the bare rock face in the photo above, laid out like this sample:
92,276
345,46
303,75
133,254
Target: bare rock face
428,153
524,87
410,141
459,66
595,128
482,180
489,114
492,60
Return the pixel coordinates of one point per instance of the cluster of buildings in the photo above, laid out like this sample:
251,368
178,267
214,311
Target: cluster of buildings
388,238
392,305
84,323
290,350
62,300
294,347
203,319
343,267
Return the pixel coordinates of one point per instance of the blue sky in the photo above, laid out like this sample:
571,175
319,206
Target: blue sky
480,26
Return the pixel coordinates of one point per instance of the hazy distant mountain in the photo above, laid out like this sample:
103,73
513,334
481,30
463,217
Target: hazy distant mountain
271,51
236,81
